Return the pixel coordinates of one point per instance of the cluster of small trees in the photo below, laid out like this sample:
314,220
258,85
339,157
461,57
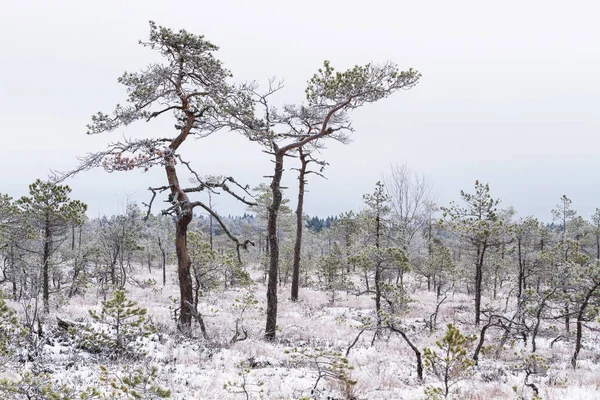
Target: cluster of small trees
547,273
32,231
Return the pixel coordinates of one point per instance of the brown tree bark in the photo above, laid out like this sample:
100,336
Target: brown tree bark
183,268
184,217
299,224
273,246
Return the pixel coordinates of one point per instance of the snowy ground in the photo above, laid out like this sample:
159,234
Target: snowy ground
194,368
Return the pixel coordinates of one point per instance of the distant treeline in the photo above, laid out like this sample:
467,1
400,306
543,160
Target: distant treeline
314,223
317,224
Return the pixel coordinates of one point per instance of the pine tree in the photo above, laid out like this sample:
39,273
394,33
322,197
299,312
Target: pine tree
452,364
123,325
49,209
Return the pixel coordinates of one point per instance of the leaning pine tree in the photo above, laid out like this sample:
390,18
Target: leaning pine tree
191,86
330,96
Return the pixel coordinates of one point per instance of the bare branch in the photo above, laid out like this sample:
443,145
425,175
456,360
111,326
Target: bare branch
238,244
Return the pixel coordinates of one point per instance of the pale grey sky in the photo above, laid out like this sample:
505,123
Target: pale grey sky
509,93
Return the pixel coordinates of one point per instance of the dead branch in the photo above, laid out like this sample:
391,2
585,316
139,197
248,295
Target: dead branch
238,244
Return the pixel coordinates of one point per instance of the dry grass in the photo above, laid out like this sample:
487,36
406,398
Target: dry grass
196,369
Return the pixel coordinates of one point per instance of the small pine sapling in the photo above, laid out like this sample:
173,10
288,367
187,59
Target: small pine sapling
531,364
244,386
174,308
329,364
31,385
135,384
11,331
451,365
331,274
123,324
240,306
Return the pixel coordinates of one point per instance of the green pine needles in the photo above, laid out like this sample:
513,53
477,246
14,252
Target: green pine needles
449,363
11,331
121,326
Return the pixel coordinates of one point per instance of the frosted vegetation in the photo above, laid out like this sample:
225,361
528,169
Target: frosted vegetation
112,325
401,299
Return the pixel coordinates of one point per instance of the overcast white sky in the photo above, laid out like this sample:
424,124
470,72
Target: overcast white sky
509,95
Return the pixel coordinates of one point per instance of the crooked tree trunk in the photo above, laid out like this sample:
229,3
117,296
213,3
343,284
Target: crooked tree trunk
414,349
299,225
578,337
481,341
580,320
183,269
538,318
273,210
184,216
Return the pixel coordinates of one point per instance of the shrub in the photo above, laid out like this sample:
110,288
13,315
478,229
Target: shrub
451,365
329,364
122,325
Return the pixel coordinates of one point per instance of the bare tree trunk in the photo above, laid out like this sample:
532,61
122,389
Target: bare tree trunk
46,266
481,341
478,281
184,217
538,318
13,268
273,210
348,244
580,316
536,327
378,272
183,269
414,349
210,221
299,225
567,314
578,337
164,261
113,266
521,285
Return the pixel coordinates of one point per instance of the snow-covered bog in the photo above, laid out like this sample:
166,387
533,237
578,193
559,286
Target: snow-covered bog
309,358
